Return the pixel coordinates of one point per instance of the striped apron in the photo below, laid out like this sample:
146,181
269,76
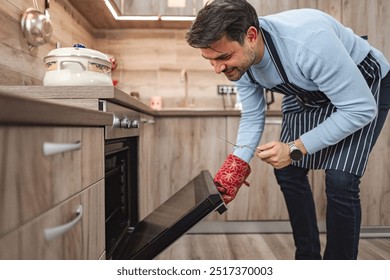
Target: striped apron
303,110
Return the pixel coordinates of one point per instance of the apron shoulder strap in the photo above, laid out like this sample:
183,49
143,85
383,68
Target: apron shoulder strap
251,78
274,54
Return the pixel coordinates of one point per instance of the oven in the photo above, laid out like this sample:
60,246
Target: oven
121,174
126,236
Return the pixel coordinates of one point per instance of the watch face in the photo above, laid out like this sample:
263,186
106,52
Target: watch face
296,154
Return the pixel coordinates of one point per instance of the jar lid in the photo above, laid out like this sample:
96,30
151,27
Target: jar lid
78,51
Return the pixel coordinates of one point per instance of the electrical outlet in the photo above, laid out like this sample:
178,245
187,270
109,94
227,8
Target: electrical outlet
226,89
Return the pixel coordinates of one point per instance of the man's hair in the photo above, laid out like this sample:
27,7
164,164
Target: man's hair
219,18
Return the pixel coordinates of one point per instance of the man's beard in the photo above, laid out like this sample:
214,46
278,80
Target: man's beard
235,73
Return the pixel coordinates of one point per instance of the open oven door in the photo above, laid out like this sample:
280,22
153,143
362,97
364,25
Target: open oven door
172,219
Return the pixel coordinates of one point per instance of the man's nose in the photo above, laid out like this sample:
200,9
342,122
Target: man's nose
218,67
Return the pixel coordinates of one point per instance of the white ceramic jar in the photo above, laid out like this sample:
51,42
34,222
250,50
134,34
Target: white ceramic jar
77,66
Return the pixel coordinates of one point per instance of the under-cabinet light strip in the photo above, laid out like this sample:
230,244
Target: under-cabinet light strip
115,15
153,18
177,18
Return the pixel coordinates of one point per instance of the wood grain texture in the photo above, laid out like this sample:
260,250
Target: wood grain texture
19,110
147,167
93,222
68,28
185,147
263,200
72,94
67,246
86,240
32,183
256,247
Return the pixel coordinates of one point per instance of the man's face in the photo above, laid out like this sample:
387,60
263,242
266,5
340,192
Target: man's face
230,58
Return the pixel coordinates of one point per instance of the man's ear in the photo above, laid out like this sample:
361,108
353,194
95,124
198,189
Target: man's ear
252,34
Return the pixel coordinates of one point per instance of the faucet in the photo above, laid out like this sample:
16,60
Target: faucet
184,79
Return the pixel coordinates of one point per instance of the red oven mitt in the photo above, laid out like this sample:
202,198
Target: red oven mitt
231,176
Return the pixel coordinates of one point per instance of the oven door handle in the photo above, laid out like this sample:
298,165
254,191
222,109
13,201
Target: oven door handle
51,233
56,148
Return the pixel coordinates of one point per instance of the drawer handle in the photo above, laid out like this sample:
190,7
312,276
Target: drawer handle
146,121
51,233
56,148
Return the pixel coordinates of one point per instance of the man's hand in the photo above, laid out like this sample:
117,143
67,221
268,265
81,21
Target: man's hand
277,153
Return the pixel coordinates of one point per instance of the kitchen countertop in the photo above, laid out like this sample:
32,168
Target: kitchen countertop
23,110
117,96
199,112
53,93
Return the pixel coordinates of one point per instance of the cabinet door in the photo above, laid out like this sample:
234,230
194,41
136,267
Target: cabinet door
10,246
262,200
93,222
184,147
34,244
81,235
32,182
147,171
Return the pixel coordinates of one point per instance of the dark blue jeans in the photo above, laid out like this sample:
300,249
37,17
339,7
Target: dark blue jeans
343,212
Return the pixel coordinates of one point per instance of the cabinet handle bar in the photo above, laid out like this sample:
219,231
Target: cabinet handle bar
51,233
56,148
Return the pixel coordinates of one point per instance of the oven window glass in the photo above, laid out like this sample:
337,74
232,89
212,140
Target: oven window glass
121,188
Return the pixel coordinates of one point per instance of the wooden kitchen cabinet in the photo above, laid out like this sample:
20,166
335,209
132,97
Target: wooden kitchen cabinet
84,240
262,200
39,191
93,223
184,146
147,176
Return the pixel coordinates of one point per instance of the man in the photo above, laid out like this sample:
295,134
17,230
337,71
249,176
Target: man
336,98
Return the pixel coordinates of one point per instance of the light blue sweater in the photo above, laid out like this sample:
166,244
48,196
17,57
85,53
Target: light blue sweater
317,53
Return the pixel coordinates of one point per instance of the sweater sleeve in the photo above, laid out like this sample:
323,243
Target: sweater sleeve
324,60
252,117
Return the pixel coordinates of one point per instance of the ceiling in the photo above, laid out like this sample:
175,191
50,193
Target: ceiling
98,15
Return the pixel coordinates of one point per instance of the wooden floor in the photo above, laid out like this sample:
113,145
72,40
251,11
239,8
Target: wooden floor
256,247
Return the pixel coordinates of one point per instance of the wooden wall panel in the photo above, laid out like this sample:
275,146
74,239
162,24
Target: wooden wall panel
266,7
379,27
19,65
355,15
307,4
332,7
375,186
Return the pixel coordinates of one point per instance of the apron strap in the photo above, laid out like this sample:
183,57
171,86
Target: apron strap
274,55
250,76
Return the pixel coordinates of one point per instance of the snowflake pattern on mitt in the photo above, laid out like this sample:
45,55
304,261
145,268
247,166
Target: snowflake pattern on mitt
231,176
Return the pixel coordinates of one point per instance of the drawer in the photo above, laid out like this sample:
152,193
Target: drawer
32,182
93,222
10,246
82,239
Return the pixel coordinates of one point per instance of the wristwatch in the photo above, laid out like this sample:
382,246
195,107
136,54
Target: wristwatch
295,153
